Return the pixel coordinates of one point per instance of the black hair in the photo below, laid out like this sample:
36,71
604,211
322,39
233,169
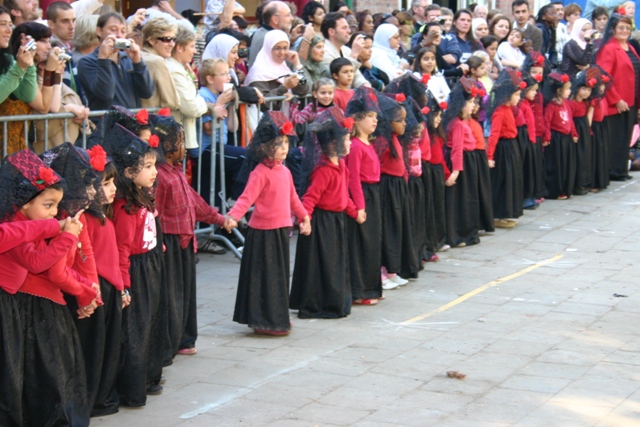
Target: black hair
416,62
337,64
517,3
5,61
259,10
136,198
432,129
329,22
35,30
469,36
338,5
488,41
598,12
104,18
309,10
361,16
110,172
189,14
425,28
242,23
474,62
55,7
356,34
543,11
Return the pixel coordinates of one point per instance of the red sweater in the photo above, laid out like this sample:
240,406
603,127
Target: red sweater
135,234
478,133
35,256
364,166
272,192
180,206
14,234
329,189
578,109
342,97
529,119
107,258
437,155
599,108
425,146
558,117
459,139
537,106
503,125
83,258
392,166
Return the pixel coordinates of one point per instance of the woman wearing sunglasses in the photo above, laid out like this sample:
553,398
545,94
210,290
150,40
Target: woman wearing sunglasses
159,39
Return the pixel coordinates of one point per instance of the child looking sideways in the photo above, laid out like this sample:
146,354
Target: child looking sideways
342,73
510,51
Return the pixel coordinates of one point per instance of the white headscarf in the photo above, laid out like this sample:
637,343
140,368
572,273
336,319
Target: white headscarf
577,29
219,47
475,23
381,40
265,68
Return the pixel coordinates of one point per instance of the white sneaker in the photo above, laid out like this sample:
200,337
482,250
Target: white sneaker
399,280
388,284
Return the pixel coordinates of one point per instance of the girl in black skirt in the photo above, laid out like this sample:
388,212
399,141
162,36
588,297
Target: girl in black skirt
599,133
560,138
503,151
321,287
365,240
262,301
582,111
531,161
139,241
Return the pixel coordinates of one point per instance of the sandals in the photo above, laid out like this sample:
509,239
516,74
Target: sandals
188,351
370,301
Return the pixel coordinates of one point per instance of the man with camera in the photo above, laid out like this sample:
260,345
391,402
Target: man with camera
114,74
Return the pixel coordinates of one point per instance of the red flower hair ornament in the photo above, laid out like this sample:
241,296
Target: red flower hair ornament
443,105
46,177
400,97
164,112
425,78
287,128
622,11
519,74
605,79
154,141
564,78
540,61
98,158
592,82
142,116
522,85
425,110
348,123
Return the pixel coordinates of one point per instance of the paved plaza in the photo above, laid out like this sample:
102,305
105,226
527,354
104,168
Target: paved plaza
529,316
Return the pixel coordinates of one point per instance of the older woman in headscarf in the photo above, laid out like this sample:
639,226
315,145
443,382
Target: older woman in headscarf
386,42
311,59
578,51
270,73
226,47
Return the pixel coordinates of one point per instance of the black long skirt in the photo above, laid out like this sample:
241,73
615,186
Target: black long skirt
11,361
560,163
620,131
434,188
583,153
528,162
100,340
180,267
461,204
397,241
321,284
55,385
599,155
538,168
485,202
506,180
418,220
143,334
365,247
262,301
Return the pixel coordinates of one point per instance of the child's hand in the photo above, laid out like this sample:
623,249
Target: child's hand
545,143
229,223
362,216
575,139
492,163
305,226
452,178
72,227
98,300
126,299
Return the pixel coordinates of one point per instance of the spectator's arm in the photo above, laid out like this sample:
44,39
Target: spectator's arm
28,86
10,80
227,13
267,89
96,78
142,81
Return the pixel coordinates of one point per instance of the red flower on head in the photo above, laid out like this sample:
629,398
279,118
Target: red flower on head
538,78
164,112
605,79
519,74
46,177
287,128
522,85
475,91
400,97
482,92
622,11
540,61
154,141
592,82
425,110
443,105
348,123
564,78
142,117
425,78
98,158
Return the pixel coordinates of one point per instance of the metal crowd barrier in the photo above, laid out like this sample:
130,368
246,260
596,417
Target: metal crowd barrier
217,156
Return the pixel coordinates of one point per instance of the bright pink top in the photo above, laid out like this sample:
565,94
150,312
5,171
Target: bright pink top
272,192
459,139
329,189
364,166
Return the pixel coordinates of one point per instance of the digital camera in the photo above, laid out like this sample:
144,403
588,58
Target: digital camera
122,44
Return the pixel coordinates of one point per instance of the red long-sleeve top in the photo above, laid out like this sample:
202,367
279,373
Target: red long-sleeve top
329,189
529,119
342,97
83,258
518,115
578,109
425,146
107,257
459,139
394,166
599,109
272,192
558,117
364,167
503,125
35,256
478,133
437,155
180,206
136,234
537,106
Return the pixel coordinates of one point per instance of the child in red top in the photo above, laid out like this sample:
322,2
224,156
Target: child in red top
342,73
322,90
262,301
599,133
483,173
320,286
582,111
139,242
531,156
365,241
560,138
461,192
503,152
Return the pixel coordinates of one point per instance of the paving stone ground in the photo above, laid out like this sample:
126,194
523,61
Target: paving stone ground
550,347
